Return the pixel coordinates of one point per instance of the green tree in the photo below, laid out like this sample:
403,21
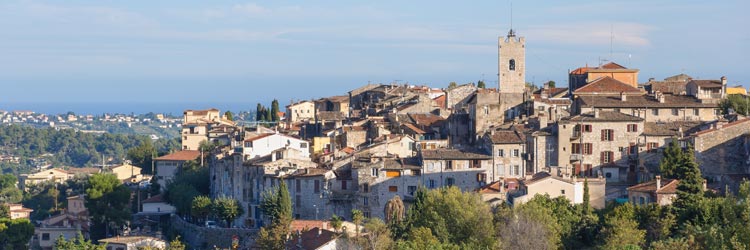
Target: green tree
551,84
377,236
229,115
480,84
9,193
455,217
201,207
227,209
671,158
277,206
142,155
107,201
738,103
176,244
689,202
79,243
15,234
259,112
357,218
272,237
4,211
421,238
621,229
336,222
275,110
181,195
452,85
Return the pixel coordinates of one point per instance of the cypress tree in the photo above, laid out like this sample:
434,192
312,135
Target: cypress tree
285,204
275,110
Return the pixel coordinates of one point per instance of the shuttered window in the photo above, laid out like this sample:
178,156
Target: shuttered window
392,173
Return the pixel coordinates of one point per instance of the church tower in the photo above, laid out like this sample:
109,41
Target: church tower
511,73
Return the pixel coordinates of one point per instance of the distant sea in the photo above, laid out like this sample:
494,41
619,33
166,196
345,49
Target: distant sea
98,108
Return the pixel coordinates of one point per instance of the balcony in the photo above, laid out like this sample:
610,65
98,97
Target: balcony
575,136
576,157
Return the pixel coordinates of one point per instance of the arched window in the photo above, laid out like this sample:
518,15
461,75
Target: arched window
512,65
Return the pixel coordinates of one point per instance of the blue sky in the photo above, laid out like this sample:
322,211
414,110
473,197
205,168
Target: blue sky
237,51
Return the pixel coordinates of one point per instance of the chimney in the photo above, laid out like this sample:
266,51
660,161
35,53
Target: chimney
542,121
658,182
704,185
623,97
320,231
723,86
596,113
660,96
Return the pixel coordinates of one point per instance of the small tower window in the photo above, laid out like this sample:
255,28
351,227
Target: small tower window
512,65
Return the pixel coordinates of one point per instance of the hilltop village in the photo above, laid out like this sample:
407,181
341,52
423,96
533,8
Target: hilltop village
599,141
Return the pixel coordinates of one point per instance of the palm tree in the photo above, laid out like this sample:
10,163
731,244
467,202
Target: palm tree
357,218
336,222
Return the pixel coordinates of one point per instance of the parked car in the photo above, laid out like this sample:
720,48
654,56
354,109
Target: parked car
210,224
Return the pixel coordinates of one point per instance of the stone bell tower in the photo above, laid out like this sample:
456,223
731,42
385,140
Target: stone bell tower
511,73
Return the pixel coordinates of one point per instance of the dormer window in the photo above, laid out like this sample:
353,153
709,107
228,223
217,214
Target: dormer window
512,65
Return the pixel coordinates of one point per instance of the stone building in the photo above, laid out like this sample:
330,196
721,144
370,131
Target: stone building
511,74
301,111
599,143
508,151
571,188
584,75
652,107
196,125
452,167
723,150
456,97
484,112
707,90
659,191
379,179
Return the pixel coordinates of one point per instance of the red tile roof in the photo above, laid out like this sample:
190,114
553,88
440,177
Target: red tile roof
607,85
184,155
312,239
494,187
612,65
440,101
581,70
668,187
154,199
305,225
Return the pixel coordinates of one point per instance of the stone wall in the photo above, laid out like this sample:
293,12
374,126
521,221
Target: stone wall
726,148
206,238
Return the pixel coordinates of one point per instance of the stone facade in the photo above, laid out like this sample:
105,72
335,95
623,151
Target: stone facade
512,74
724,149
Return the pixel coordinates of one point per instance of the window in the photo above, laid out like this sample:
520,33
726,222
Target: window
298,201
652,146
317,186
343,185
366,188
411,189
608,135
655,111
512,65
562,191
608,175
607,156
586,128
482,177
587,148
515,152
632,127
516,170
449,181
576,148
303,145
642,200
392,173
365,201
45,236
449,165
392,189
633,149
588,169
675,112
475,164
501,169
366,214
431,183
501,153
696,112
374,172
416,172
298,185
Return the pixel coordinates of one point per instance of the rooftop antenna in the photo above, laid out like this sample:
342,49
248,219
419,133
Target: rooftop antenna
511,15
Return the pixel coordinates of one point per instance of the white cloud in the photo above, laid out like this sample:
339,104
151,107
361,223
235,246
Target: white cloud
632,34
250,9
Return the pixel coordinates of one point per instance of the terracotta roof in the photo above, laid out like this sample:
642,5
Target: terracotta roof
671,87
680,77
400,163
494,187
671,128
643,101
707,83
452,154
607,85
440,101
311,239
581,70
84,170
309,172
604,116
154,199
668,187
348,150
427,119
306,225
184,155
611,65
537,177
724,126
506,137
259,137
414,128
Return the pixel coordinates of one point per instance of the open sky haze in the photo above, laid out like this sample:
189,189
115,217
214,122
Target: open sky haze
245,52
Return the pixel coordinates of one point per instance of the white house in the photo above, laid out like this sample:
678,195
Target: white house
157,204
266,143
